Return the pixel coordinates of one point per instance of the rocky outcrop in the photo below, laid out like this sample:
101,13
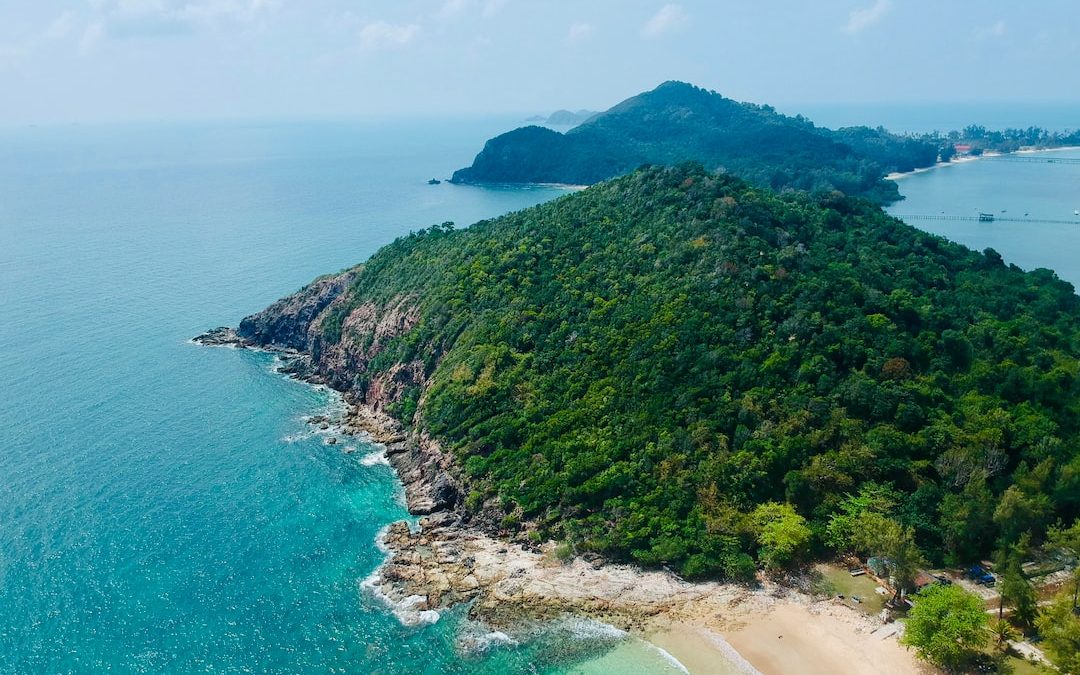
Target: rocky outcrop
445,563
424,469
294,327
222,336
289,321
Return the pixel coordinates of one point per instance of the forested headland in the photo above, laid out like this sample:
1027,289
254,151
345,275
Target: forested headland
679,368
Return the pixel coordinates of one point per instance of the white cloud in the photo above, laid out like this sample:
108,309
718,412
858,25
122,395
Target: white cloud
385,35
578,32
141,18
671,17
864,17
990,32
492,7
454,8
91,37
62,26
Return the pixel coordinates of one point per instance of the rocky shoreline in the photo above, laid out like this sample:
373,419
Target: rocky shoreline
452,557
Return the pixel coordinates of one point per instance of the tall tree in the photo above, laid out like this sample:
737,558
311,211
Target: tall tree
1015,590
894,543
1067,540
782,534
946,626
1059,627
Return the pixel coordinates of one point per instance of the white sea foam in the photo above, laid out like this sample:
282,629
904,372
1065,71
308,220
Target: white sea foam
380,540
731,654
405,610
296,438
476,638
589,629
667,656
375,458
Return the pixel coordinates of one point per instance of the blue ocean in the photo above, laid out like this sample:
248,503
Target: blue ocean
165,507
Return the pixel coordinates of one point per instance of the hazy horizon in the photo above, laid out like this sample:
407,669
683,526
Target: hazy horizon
87,61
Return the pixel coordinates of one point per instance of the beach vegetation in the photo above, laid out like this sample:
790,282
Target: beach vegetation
1059,629
947,626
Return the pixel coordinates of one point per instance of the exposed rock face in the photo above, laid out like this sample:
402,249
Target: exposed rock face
223,336
424,469
446,563
287,322
295,325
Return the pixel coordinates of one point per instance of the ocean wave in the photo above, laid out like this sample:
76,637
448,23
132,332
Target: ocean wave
731,654
405,610
475,639
375,458
667,656
581,628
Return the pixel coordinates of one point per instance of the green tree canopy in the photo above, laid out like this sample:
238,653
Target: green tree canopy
782,533
894,543
640,365
947,626
1059,627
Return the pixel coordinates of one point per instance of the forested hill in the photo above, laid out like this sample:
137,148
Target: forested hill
677,122
677,367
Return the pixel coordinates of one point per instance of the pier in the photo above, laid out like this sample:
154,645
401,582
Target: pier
983,218
1040,159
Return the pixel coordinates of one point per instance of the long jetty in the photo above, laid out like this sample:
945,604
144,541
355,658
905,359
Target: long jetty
1041,159
981,219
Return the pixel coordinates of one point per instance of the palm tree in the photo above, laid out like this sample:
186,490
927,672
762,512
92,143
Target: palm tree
1003,632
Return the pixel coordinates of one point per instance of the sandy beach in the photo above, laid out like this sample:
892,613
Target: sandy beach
897,175
818,638
710,628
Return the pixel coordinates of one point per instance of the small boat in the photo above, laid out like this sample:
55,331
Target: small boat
1076,212
986,217
434,181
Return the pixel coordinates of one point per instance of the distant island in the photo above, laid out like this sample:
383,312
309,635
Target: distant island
563,118
679,122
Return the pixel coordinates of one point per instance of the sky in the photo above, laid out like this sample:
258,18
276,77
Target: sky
114,60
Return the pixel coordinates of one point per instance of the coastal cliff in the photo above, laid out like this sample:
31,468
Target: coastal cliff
292,326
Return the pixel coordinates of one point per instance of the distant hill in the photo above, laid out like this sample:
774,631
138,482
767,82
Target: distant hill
563,118
679,122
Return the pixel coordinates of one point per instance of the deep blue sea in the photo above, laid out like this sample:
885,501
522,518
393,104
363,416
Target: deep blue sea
164,507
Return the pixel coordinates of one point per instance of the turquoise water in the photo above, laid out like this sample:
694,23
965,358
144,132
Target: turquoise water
1006,189
163,506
